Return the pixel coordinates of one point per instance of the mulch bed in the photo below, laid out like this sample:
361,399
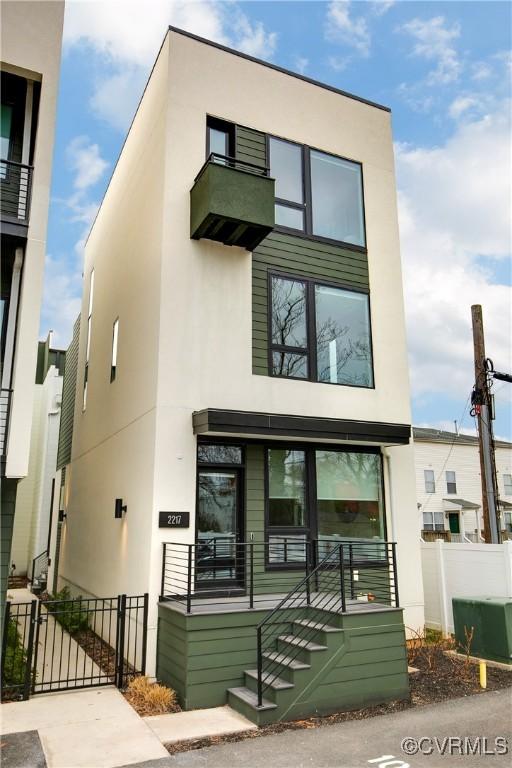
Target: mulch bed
440,677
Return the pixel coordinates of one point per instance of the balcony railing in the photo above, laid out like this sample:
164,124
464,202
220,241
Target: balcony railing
218,570
5,407
15,191
232,202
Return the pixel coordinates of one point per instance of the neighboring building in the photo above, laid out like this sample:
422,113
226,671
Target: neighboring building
31,38
34,499
242,387
449,486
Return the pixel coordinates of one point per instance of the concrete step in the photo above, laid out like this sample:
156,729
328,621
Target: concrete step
270,680
300,642
317,626
245,701
285,661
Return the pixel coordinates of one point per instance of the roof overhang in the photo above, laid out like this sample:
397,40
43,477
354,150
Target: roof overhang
274,426
458,504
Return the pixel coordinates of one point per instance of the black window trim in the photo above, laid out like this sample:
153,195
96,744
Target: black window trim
310,350
307,232
227,127
310,494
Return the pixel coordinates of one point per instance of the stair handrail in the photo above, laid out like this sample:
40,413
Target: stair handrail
336,553
43,554
332,565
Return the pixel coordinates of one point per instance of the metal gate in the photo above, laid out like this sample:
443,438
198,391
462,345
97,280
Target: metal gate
58,645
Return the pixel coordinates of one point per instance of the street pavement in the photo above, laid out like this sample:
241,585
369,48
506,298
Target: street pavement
376,742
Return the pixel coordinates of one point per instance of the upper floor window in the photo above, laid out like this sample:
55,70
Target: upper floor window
451,484
507,485
430,481
88,340
320,333
115,337
317,193
219,138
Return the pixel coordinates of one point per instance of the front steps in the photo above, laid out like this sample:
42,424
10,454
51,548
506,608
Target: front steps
297,663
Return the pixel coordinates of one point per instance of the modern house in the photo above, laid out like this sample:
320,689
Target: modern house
449,489
30,550
30,48
241,444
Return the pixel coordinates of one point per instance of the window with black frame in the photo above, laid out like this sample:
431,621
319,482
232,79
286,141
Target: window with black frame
317,193
319,332
286,483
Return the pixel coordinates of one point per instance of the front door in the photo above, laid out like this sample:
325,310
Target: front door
220,555
453,519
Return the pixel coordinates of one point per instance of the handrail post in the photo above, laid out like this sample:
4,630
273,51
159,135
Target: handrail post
27,683
33,571
342,580
260,668
351,567
144,634
251,575
395,574
164,555
308,585
189,579
121,626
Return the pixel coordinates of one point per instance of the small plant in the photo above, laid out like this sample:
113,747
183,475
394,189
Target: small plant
425,646
69,612
15,661
150,698
465,648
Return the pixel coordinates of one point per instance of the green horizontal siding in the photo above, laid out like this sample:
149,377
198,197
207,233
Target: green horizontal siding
304,258
68,399
251,146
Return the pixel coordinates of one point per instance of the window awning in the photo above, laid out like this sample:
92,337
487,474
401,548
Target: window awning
215,421
462,503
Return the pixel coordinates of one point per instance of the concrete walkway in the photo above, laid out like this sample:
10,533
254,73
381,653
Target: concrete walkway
94,728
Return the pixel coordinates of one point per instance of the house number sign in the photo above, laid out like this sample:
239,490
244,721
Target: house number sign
173,519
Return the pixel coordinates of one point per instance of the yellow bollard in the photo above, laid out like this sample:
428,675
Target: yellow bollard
483,674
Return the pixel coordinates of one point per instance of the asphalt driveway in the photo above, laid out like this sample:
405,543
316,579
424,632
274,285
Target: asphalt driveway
378,741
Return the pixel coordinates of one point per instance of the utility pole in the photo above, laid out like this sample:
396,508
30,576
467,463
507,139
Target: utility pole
481,402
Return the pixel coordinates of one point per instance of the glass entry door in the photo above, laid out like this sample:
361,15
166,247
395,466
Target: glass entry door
220,555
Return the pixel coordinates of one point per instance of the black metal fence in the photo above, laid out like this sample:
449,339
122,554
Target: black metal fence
220,569
15,190
58,645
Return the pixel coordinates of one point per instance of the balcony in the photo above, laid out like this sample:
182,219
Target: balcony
232,202
15,191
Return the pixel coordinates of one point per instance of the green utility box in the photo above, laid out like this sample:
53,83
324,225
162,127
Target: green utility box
491,619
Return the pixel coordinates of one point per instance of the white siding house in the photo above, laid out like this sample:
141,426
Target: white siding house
448,485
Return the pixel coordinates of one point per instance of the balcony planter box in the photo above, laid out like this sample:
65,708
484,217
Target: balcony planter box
232,205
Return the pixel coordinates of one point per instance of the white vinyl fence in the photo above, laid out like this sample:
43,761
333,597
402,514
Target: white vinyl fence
458,570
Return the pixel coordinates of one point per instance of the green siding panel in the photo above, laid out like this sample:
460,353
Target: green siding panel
8,489
251,146
304,258
68,399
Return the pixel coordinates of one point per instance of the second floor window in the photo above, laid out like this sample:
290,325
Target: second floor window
320,333
430,481
317,193
88,340
451,484
507,485
115,337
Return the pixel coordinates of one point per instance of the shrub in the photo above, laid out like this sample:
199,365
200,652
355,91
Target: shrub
69,613
150,698
15,661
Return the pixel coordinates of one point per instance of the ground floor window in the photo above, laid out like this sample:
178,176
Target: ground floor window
433,521
330,495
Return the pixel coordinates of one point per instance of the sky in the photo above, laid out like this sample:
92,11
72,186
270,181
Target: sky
444,68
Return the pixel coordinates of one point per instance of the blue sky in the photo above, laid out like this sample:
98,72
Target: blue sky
443,68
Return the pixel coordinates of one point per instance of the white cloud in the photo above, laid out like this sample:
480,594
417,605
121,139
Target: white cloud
435,42
61,299
480,70
300,64
83,157
343,27
339,63
380,7
461,105
126,36
454,203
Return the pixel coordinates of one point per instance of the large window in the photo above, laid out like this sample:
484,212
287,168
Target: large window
317,193
349,495
433,521
331,495
319,332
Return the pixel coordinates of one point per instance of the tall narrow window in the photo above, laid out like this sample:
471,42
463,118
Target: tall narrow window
286,484
451,483
88,341
287,169
337,198
507,485
430,483
113,364
220,139
289,331
5,137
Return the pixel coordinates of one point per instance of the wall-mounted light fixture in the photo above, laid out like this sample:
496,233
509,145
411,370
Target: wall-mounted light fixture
62,515
120,508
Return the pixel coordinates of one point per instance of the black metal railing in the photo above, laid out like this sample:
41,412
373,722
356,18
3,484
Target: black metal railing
233,162
15,190
5,410
220,569
326,589
39,573
59,645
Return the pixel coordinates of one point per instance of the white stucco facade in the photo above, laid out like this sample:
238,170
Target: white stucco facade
185,314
